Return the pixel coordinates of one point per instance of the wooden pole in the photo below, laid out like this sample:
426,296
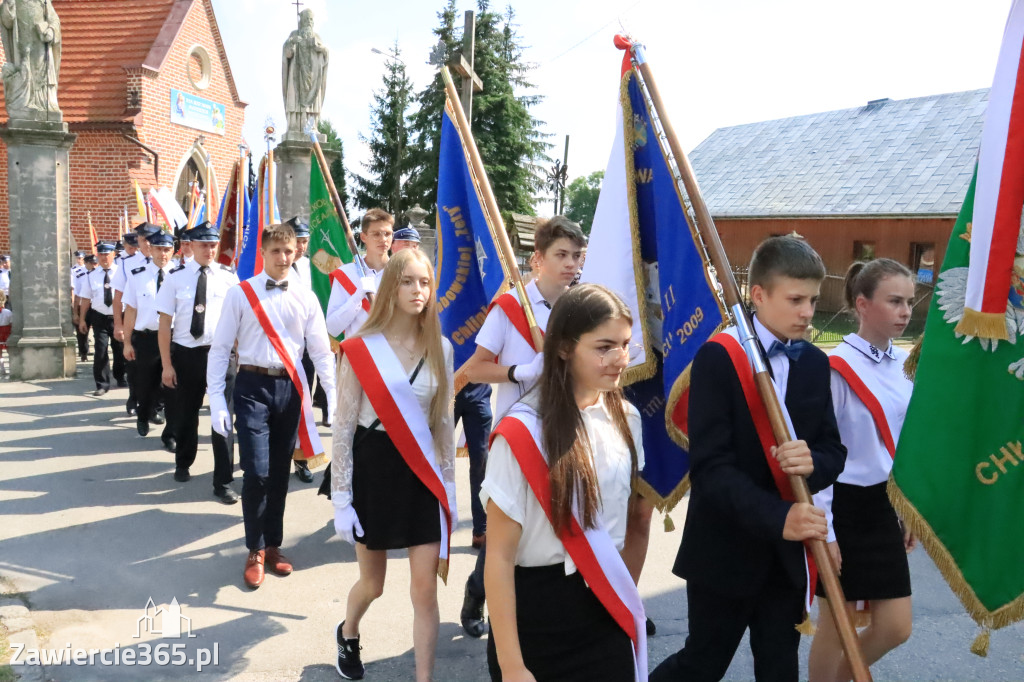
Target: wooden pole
239,202
708,232
496,223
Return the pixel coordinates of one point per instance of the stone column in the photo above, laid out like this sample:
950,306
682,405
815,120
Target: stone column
294,159
42,343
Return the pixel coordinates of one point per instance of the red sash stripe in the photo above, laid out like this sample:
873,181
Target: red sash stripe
865,395
535,469
348,285
509,303
275,340
763,426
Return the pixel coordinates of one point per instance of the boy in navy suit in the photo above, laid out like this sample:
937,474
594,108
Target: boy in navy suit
741,553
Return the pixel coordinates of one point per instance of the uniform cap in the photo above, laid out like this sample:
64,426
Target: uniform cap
406,234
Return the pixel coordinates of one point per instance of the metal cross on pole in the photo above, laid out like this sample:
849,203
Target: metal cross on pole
297,6
462,63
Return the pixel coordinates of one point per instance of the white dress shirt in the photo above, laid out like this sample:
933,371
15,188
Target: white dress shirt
5,281
140,293
345,314
93,290
300,270
81,284
505,484
779,362
302,328
177,298
123,268
499,335
868,462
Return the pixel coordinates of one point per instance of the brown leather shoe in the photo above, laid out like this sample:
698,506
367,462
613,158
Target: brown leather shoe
254,569
278,563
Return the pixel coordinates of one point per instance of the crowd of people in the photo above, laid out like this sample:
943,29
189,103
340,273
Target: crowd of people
561,528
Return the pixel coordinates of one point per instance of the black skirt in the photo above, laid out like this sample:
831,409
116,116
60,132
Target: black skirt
395,509
871,544
564,632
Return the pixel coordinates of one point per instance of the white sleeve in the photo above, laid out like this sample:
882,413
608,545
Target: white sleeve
636,428
165,302
446,458
342,308
343,430
823,500
318,344
223,341
494,331
504,482
118,279
130,297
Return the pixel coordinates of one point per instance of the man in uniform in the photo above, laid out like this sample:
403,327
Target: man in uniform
406,238
141,317
190,303
78,270
131,262
97,311
185,246
5,274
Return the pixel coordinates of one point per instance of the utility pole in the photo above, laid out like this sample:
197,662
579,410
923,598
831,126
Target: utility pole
463,62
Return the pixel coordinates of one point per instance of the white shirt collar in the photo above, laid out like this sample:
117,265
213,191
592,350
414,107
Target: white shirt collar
766,337
536,298
868,349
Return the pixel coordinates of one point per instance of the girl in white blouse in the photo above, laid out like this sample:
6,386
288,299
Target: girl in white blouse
546,623
381,502
867,543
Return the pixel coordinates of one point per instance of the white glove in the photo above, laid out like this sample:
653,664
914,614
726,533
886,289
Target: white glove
453,507
220,418
346,523
331,406
528,374
369,284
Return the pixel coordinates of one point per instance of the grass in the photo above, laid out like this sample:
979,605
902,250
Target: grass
7,592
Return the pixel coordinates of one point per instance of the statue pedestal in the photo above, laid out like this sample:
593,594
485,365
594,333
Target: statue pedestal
294,159
42,343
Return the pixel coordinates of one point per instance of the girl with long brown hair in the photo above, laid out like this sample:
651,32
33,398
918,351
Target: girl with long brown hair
560,473
393,459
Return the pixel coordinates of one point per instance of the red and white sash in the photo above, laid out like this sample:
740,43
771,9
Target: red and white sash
309,437
343,279
593,551
763,426
509,304
861,390
386,384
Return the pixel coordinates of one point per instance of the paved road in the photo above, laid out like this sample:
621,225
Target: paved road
92,525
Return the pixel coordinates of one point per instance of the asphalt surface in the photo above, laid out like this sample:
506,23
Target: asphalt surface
92,525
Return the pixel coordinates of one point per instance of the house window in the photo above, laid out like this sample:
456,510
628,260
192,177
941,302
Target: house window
863,251
922,261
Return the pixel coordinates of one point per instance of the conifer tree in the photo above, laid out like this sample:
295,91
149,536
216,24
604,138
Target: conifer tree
325,127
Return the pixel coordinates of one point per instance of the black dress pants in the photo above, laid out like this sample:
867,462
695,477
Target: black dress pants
103,332
190,369
148,371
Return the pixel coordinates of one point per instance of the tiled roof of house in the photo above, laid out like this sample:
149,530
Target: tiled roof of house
912,156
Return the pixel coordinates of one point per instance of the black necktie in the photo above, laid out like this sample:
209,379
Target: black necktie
271,284
108,294
159,279
792,349
199,308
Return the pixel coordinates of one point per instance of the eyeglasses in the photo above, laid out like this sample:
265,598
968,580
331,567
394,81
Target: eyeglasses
380,235
611,356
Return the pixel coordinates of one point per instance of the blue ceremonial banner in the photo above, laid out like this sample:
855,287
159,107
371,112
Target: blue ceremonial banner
469,271
247,259
644,248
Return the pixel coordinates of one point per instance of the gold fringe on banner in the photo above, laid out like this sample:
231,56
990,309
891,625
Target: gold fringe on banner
983,325
979,647
442,570
1006,614
807,628
910,364
669,524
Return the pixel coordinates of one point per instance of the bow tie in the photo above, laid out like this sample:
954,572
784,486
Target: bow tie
792,350
271,284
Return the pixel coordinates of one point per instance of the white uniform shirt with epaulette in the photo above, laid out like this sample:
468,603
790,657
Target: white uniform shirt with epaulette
75,269
81,283
125,266
140,293
94,287
177,298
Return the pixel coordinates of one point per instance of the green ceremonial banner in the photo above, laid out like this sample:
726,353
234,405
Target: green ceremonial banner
958,477
328,248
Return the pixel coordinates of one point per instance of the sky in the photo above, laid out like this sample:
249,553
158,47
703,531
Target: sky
717,63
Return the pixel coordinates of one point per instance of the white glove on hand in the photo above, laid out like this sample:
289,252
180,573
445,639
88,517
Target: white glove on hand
331,406
369,284
453,507
346,523
528,374
220,418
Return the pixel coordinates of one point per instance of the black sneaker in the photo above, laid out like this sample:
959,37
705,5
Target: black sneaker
349,664
472,615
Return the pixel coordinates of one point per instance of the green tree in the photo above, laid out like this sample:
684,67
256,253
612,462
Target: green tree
338,165
508,137
581,199
388,143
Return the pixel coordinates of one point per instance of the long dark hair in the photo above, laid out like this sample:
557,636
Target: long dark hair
862,278
580,310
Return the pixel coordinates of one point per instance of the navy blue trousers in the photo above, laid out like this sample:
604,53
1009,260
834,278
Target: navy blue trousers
473,407
267,411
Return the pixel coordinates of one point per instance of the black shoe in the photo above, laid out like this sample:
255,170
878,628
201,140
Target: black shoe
169,444
348,664
473,615
157,418
651,629
142,426
225,494
303,473
100,391
181,474
121,383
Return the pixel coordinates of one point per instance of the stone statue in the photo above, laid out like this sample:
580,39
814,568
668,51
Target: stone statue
304,75
32,43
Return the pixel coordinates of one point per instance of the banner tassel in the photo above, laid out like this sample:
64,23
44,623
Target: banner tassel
669,525
807,626
910,364
981,642
442,570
